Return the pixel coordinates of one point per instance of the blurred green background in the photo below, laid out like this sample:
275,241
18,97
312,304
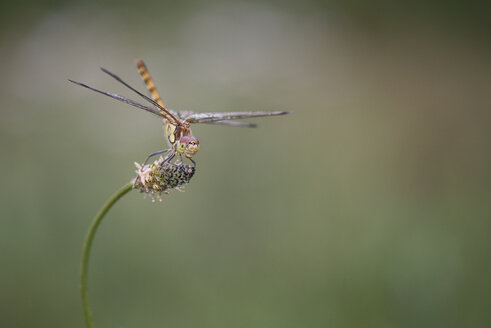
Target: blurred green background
367,207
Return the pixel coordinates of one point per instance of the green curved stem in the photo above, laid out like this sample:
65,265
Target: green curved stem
88,244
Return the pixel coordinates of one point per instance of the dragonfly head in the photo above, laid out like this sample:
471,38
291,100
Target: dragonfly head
188,146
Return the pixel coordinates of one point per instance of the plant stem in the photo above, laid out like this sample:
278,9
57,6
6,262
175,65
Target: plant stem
88,244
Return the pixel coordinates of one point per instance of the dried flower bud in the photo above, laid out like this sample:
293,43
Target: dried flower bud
155,179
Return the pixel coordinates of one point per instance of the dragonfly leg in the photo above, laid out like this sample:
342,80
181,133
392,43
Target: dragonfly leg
156,153
167,159
192,160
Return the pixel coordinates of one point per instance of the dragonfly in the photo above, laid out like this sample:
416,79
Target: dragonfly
177,124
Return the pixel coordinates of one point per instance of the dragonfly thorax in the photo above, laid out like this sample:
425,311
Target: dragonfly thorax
187,146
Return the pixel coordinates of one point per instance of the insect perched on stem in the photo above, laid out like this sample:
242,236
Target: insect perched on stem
177,124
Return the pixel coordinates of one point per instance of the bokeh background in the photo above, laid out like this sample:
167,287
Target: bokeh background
368,207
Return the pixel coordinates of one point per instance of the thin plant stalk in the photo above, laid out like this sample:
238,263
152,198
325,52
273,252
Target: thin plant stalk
89,238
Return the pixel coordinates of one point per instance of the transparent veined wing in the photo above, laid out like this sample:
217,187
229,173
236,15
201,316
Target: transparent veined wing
216,117
164,112
233,123
186,113
122,99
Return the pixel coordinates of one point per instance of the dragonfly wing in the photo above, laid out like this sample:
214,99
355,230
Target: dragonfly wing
233,123
121,98
214,117
164,111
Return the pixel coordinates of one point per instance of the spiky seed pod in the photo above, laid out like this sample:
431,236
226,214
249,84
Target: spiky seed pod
155,179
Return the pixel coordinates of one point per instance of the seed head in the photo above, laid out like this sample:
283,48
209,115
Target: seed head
155,179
